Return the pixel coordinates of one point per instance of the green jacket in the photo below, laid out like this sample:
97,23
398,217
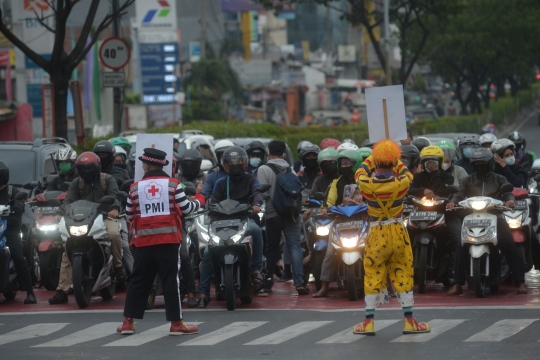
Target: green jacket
93,192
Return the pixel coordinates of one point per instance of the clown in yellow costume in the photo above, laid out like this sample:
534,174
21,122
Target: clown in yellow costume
388,241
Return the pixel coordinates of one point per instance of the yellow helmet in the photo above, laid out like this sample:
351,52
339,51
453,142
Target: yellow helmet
432,153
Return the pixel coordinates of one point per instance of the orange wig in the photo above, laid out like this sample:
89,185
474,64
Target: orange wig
386,153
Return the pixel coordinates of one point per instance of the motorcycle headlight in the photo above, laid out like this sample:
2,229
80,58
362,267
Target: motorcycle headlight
478,204
49,227
323,230
405,222
349,242
513,223
78,230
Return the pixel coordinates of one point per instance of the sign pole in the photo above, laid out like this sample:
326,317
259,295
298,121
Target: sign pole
118,94
385,111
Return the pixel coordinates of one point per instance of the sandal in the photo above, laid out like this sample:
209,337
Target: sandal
320,294
203,302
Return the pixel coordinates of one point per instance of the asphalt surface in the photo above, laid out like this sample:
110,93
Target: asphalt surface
531,131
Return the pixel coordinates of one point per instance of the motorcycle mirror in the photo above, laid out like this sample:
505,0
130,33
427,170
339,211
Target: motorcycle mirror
31,185
21,196
107,200
319,196
452,189
264,188
507,188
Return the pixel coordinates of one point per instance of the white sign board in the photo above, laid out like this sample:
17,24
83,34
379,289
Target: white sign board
157,37
34,34
386,113
163,142
346,53
156,14
114,53
113,79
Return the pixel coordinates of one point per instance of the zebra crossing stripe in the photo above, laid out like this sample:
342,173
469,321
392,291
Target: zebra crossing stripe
438,326
31,331
145,337
92,333
501,330
289,333
347,336
225,333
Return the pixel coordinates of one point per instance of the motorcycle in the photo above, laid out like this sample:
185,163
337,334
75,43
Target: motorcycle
230,251
350,232
317,231
88,247
479,237
520,225
8,276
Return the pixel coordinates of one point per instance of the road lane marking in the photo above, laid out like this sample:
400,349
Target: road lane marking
31,331
229,331
438,326
501,330
145,337
92,333
347,336
289,333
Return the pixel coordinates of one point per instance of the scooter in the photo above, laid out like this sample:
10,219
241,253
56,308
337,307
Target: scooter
88,247
8,276
520,225
318,231
230,251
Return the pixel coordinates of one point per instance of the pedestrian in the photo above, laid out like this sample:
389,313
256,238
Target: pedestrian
155,206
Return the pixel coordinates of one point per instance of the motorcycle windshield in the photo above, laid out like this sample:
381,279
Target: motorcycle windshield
348,211
229,207
82,210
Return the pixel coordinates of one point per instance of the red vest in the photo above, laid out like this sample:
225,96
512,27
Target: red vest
150,227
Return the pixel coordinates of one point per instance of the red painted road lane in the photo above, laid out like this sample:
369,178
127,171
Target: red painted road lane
284,297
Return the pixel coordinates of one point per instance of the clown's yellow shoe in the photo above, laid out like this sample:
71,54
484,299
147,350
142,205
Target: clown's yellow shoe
365,328
412,327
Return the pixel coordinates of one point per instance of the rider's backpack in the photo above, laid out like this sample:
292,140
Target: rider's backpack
287,199
103,183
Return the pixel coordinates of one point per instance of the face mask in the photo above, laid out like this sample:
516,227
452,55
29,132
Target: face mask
255,162
347,172
311,163
467,152
510,160
446,166
482,170
120,166
64,168
236,169
4,177
329,169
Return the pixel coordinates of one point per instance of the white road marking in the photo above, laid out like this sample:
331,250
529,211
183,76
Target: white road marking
501,330
225,333
438,326
91,333
289,333
31,331
145,337
347,336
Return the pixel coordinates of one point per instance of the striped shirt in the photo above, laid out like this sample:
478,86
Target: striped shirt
383,187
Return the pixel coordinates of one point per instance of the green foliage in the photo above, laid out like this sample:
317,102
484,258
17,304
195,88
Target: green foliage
131,98
215,75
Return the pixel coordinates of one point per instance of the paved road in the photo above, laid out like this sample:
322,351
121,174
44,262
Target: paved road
296,334
531,131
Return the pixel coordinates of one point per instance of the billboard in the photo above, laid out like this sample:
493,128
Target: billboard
247,5
156,14
159,80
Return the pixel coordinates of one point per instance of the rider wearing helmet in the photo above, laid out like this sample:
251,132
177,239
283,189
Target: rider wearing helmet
421,142
449,155
346,146
348,141
410,157
297,166
326,143
107,153
131,166
239,186
92,185
311,170
218,172
365,152
64,159
505,159
484,182
13,231
190,169
488,129
467,145
487,139
120,159
523,157
327,160
433,181
122,142
347,163
256,151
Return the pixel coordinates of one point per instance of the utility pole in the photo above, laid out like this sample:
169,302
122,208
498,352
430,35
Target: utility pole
118,93
203,29
387,42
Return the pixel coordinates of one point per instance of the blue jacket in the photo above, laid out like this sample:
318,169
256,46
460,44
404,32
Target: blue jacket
211,179
466,164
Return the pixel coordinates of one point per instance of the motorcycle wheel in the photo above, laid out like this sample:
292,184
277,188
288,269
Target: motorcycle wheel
10,295
151,300
49,268
351,283
82,287
230,295
108,292
318,258
246,299
478,280
422,268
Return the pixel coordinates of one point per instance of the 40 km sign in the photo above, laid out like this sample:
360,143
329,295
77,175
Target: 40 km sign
114,53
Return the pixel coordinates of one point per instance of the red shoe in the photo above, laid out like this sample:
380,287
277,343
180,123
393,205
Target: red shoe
127,327
180,328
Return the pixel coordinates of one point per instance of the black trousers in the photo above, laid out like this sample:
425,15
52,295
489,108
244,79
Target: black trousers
188,275
149,261
13,241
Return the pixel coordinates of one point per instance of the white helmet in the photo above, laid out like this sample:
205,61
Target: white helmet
346,146
65,153
121,151
222,145
488,138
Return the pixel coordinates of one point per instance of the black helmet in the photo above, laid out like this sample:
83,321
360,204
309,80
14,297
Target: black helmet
190,162
4,173
234,160
485,155
421,143
310,149
256,147
518,140
88,166
412,153
106,152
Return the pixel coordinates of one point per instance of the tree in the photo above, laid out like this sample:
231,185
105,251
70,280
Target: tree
61,65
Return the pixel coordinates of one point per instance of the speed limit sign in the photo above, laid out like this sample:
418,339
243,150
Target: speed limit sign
114,53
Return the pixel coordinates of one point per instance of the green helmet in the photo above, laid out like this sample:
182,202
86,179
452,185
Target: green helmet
327,155
122,142
353,155
364,152
448,149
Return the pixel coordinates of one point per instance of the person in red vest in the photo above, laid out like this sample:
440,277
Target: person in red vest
155,206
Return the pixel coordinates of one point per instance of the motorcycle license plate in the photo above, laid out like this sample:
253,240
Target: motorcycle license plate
349,225
227,223
424,215
479,222
47,210
521,205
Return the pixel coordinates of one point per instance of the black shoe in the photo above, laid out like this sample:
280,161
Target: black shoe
120,274
192,302
302,290
59,298
30,299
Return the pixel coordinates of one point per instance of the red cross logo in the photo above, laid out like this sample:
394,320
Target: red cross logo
153,191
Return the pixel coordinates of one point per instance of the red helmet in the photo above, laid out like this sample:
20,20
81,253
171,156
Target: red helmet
88,166
327,143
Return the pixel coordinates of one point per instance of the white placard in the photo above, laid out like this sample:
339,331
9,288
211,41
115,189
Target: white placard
376,99
163,142
113,79
154,197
